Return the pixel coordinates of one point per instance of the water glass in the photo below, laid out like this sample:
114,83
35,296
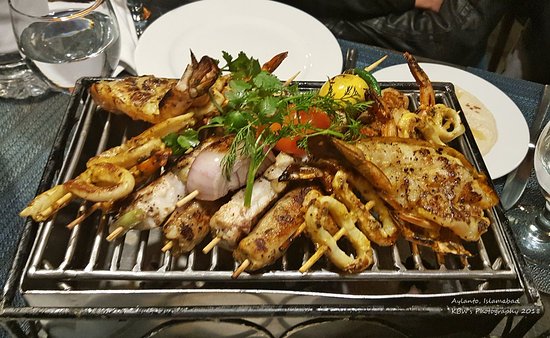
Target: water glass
533,238
17,81
63,41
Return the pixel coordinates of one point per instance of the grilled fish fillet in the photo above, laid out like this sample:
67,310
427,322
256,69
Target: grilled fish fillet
426,184
188,225
275,231
234,220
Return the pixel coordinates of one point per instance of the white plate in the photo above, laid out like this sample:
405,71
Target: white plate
260,28
513,133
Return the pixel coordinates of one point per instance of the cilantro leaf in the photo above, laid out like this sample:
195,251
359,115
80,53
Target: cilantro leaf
181,143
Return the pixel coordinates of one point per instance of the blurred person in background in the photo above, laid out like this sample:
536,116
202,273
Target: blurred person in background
453,31
534,46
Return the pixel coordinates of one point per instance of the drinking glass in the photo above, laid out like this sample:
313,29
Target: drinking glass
534,237
17,81
66,40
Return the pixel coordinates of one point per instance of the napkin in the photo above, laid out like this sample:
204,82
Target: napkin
128,37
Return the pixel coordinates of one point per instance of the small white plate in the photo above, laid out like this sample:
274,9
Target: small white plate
513,133
260,28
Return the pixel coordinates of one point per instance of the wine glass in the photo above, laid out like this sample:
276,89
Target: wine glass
63,41
534,236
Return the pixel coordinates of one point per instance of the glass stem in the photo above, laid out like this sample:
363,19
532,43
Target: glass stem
543,219
136,9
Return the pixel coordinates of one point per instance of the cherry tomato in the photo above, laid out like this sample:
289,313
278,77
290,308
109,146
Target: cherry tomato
316,117
289,145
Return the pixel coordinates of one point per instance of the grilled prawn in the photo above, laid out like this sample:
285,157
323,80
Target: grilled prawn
153,99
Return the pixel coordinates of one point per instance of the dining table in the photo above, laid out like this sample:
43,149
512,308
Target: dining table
28,129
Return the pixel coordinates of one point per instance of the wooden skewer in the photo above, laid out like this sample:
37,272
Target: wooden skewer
85,215
289,81
167,246
117,232
187,198
46,213
320,252
105,206
211,245
241,268
300,229
376,63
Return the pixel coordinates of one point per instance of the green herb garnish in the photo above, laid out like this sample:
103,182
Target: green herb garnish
257,101
181,143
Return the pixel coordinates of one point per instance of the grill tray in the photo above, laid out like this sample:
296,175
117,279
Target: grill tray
84,254
68,268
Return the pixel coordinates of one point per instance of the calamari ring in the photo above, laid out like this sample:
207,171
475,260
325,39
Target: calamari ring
441,124
102,182
315,217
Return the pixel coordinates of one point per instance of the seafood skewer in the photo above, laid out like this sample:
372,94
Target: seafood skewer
125,156
344,185
141,173
273,234
148,207
319,210
234,220
198,175
188,225
382,230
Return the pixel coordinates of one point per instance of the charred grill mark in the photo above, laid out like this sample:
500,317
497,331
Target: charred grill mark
187,232
260,244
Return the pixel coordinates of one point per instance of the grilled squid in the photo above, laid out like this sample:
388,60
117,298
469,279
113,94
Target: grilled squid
320,209
102,182
428,185
383,232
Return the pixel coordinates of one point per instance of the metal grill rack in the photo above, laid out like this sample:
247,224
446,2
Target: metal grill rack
79,268
83,253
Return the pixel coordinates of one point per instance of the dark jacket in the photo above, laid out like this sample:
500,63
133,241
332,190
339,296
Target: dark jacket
457,34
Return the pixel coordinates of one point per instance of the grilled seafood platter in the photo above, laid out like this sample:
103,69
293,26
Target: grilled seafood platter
239,159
